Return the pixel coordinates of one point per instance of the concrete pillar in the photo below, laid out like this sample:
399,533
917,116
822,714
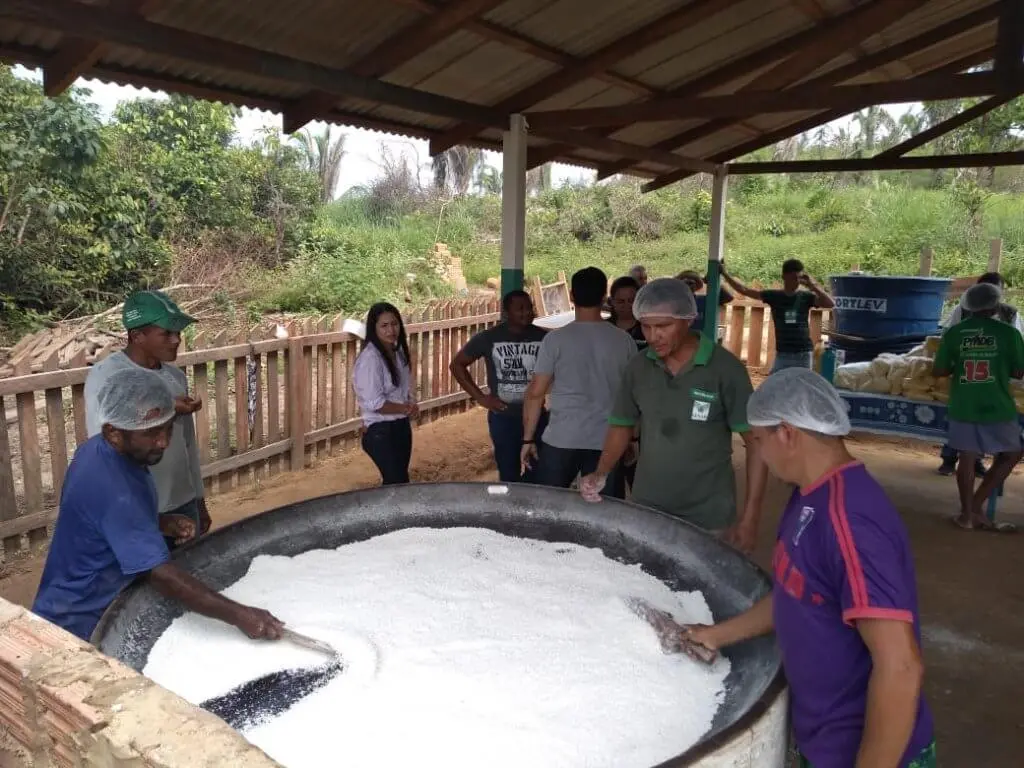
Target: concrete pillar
716,250
513,205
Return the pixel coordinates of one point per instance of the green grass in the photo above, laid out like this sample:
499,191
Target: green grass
353,259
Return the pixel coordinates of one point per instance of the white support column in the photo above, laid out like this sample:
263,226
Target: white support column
716,249
513,205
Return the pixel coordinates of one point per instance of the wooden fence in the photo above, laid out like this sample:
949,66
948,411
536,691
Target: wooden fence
269,405
750,335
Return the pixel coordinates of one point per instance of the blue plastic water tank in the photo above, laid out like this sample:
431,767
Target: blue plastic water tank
877,307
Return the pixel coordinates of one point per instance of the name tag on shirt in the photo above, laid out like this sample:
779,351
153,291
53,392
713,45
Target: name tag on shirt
701,411
790,317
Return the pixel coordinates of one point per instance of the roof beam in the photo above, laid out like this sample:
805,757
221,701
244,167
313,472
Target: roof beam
77,54
529,46
393,52
718,76
806,124
635,151
849,97
840,74
126,30
913,163
951,124
1009,64
653,32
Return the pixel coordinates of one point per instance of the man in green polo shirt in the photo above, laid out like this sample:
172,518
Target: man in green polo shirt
981,355
688,396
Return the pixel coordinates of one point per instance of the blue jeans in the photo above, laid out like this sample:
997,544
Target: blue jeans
558,467
784,360
506,429
389,444
189,510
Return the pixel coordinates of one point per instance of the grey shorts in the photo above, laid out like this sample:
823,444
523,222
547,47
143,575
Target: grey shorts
985,439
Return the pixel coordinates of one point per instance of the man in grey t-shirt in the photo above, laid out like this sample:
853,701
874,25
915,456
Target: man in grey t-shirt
154,324
580,367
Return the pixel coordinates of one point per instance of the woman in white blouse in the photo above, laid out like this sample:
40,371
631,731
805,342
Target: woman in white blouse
381,380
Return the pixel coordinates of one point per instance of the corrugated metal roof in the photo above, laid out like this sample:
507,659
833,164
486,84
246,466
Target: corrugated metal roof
483,60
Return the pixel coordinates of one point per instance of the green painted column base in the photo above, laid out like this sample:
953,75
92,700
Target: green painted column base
511,280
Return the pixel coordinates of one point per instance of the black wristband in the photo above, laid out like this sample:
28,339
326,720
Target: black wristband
529,442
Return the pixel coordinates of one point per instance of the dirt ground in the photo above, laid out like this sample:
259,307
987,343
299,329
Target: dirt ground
971,584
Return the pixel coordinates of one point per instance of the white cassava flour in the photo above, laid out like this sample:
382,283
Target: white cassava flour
462,647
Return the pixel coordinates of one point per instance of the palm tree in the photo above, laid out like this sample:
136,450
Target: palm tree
456,168
323,157
538,179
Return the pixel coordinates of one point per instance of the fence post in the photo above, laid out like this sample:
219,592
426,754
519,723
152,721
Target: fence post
924,268
297,403
995,254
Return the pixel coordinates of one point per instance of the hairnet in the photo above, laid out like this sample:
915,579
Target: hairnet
800,398
981,297
134,399
665,297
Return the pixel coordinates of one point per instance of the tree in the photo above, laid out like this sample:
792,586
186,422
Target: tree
538,179
323,157
455,168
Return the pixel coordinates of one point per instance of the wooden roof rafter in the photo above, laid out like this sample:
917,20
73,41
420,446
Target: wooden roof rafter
803,125
654,31
391,54
795,43
862,164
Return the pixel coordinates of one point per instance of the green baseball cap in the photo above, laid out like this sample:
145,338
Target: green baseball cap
154,308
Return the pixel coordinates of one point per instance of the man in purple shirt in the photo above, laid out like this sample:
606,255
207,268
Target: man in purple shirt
844,602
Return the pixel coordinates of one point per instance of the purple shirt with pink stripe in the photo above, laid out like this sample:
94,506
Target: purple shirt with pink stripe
842,554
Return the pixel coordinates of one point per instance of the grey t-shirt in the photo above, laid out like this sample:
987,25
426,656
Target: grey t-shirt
178,476
586,362
509,359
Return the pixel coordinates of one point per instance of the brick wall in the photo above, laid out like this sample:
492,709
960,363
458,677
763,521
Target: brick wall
65,705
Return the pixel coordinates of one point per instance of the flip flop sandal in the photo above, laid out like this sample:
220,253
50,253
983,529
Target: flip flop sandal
958,521
1003,527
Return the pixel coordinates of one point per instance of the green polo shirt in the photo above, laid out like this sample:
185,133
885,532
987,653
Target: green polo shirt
686,427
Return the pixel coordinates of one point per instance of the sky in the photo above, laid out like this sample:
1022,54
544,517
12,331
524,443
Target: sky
361,164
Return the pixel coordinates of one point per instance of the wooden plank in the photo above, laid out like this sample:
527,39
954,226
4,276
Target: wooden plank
8,499
221,398
754,337
78,401
14,528
56,429
995,254
256,435
337,392
924,263
770,349
309,404
323,363
814,321
435,362
201,390
247,459
911,163
351,353
737,324
244,474
31,461
352,426
273,409
297,419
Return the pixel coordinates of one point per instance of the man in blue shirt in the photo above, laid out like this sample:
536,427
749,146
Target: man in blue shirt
108,532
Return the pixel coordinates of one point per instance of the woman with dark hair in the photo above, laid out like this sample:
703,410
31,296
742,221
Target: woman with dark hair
381,380
620,302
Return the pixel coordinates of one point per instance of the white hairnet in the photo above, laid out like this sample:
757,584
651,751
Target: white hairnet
800,398
665,297
134,399
981,297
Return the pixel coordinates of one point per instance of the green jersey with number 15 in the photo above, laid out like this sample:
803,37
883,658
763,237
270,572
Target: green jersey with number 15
981,355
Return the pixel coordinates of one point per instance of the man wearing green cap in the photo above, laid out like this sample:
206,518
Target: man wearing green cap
154,324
